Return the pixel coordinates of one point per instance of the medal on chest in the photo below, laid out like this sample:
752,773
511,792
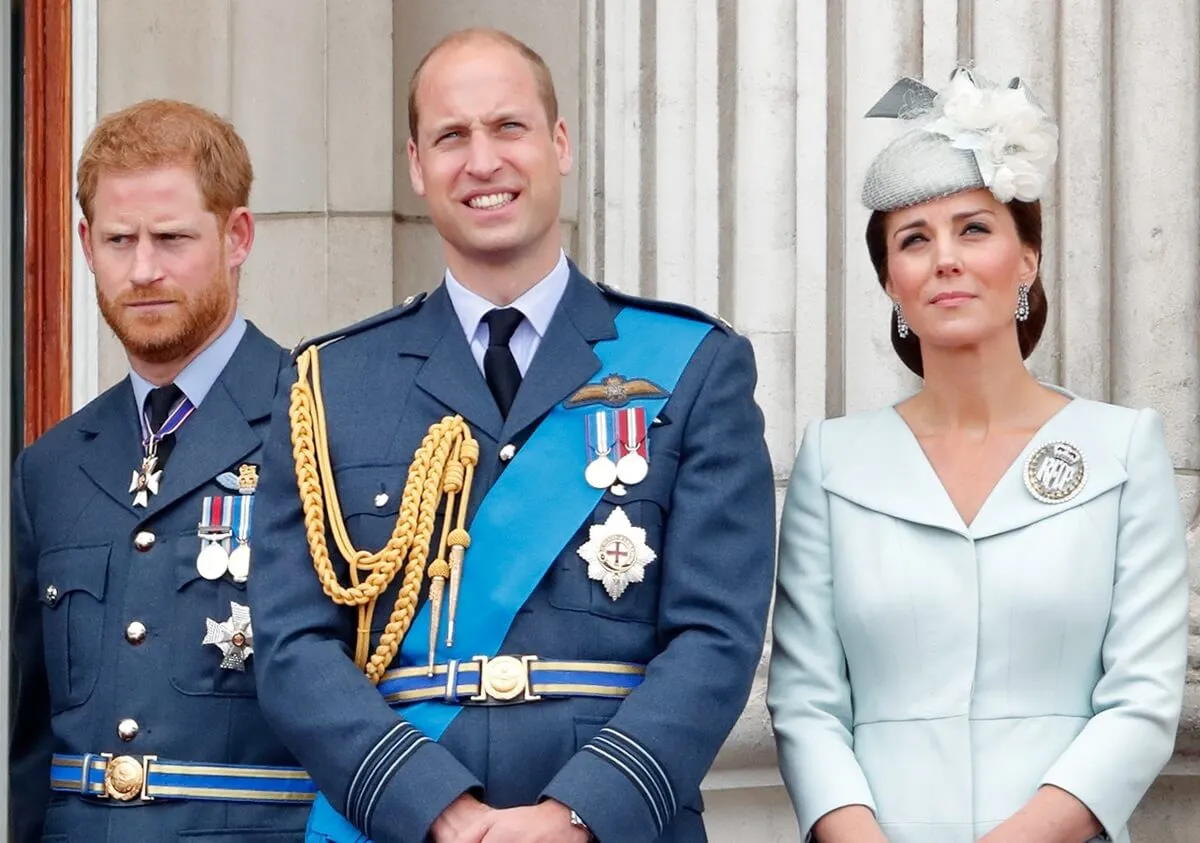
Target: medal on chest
633,446
601,471
618,449
239,557
616,553
224,533
148,476
214,531
233,637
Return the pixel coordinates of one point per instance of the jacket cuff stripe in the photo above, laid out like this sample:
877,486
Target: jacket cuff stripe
368,771
659,819
647,779
352,792
394,745
411,744
650,761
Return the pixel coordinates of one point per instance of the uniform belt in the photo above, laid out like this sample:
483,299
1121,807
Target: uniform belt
145,778
505,680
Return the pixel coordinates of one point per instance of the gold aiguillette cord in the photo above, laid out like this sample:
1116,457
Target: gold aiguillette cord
444,465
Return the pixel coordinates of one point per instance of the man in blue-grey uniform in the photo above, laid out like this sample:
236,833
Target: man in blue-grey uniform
136,714
516,585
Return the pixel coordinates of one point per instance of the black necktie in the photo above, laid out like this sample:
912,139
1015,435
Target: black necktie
499,365
159,403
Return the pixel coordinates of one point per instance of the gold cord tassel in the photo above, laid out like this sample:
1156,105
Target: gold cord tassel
457,552
447,447
458,538
437,584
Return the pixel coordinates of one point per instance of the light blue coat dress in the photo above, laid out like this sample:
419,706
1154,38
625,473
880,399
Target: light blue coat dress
939,673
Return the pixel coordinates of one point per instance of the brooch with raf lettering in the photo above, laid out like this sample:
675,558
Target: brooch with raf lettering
1055,472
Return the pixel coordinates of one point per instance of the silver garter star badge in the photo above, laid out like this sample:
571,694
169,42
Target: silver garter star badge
234,637
616,553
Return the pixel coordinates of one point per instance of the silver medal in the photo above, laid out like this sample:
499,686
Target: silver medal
1055,472
234,637
632,468
239,563
601,473
213,562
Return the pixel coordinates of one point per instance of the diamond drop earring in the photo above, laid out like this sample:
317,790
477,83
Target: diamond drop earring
901,322
1022,303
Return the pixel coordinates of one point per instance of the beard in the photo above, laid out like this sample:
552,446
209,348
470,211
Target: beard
160,338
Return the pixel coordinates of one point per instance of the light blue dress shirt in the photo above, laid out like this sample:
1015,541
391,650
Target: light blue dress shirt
538,304
197,377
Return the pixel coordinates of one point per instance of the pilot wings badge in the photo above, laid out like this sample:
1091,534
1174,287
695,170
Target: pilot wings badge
616,553
614,391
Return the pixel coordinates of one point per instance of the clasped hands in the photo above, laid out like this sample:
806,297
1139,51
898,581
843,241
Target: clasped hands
467,820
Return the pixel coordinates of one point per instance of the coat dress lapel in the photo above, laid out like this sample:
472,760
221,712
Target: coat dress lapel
887,471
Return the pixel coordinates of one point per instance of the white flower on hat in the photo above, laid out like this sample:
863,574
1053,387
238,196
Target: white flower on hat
1014,142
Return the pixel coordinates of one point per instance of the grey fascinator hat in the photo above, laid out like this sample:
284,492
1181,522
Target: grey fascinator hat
970,135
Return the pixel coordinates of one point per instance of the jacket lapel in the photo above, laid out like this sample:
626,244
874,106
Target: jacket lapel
113,443
220,432
450,374
564,360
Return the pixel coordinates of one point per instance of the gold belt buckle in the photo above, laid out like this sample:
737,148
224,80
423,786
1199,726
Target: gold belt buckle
125,777
505,679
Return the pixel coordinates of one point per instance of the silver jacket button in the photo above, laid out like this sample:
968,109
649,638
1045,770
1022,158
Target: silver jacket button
51,594
135,633
508,452
144,540
128,729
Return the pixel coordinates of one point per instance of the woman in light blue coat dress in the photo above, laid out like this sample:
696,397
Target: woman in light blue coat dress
980,626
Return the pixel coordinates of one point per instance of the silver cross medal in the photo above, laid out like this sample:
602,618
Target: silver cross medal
234,637
145,481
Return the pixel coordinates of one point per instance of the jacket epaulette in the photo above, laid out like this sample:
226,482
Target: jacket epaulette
409,305
672,307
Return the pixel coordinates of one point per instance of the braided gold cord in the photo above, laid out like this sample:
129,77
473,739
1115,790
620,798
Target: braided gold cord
433,472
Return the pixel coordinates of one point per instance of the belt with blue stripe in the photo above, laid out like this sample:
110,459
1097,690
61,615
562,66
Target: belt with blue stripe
145,778
505,680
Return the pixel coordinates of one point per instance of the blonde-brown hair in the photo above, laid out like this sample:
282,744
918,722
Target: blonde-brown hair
162,133
541,73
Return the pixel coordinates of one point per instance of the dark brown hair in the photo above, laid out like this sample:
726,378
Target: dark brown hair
541,73
1028,219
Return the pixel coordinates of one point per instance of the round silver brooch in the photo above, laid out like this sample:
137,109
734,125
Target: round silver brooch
1055,472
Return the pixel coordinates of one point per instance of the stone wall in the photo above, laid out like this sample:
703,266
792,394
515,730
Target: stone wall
309,86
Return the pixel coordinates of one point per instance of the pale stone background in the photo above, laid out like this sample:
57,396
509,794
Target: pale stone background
719,150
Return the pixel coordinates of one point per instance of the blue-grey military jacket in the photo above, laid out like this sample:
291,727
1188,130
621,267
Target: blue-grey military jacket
87,566
697,620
